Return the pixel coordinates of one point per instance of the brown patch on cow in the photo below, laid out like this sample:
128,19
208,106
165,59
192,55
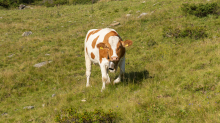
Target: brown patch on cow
92,55
112,33
103,53
91,33
96,31
120,51
94,42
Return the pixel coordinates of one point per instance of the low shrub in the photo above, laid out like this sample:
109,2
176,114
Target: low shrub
15,3
200,10
194,32
47,3
51,3
98,115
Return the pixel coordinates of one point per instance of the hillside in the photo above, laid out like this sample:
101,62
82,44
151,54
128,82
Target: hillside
172,68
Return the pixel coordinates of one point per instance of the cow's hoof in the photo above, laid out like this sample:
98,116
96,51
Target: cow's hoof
88,85
116,81
108,82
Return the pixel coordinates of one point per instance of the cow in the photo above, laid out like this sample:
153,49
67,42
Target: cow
105,46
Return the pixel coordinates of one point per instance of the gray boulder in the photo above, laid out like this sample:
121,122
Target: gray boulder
27,33
22,6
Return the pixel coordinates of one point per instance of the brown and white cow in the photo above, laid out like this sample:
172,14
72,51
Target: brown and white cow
101,47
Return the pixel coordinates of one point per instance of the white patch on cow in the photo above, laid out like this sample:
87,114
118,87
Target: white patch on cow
113,41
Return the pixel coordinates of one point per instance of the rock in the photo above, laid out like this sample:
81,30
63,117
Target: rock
27,33
4,114
115,24
47,54
38,65
144,2
30,120
53,95
142,14
0,17
11,55
128,15
43,105
28,107
83,100
152,12
29,7
21,6
138,11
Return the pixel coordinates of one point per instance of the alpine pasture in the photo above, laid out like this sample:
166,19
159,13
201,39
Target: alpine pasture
172,68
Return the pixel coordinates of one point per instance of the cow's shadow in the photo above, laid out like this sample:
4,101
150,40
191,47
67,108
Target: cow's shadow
135,77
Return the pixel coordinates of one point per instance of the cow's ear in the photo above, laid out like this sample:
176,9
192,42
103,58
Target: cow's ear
101,46
127,43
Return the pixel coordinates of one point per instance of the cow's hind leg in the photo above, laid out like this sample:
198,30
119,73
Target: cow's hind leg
88,68
122,70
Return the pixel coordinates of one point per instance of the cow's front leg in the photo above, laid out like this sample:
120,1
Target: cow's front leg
88,68
108,80
105,77
122,70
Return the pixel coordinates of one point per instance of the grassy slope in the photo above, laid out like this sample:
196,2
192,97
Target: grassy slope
176,80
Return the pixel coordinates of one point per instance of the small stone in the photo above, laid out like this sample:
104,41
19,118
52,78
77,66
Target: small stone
128,15
144,2
0,17
28,107
47,54
53,95
138,11
43,105
83,100
27,33
4,114
11,55
38,65
142,14
152,12
30,120
115,24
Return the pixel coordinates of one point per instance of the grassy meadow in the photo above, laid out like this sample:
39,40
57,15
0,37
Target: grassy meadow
168,79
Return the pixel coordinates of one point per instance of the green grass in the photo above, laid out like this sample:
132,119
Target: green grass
167,79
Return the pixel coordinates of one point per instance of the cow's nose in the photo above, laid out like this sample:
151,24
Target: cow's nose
114,58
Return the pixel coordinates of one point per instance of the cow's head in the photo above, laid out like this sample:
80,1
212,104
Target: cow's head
114,49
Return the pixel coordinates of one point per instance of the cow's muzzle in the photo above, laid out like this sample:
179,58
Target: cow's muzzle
114,58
